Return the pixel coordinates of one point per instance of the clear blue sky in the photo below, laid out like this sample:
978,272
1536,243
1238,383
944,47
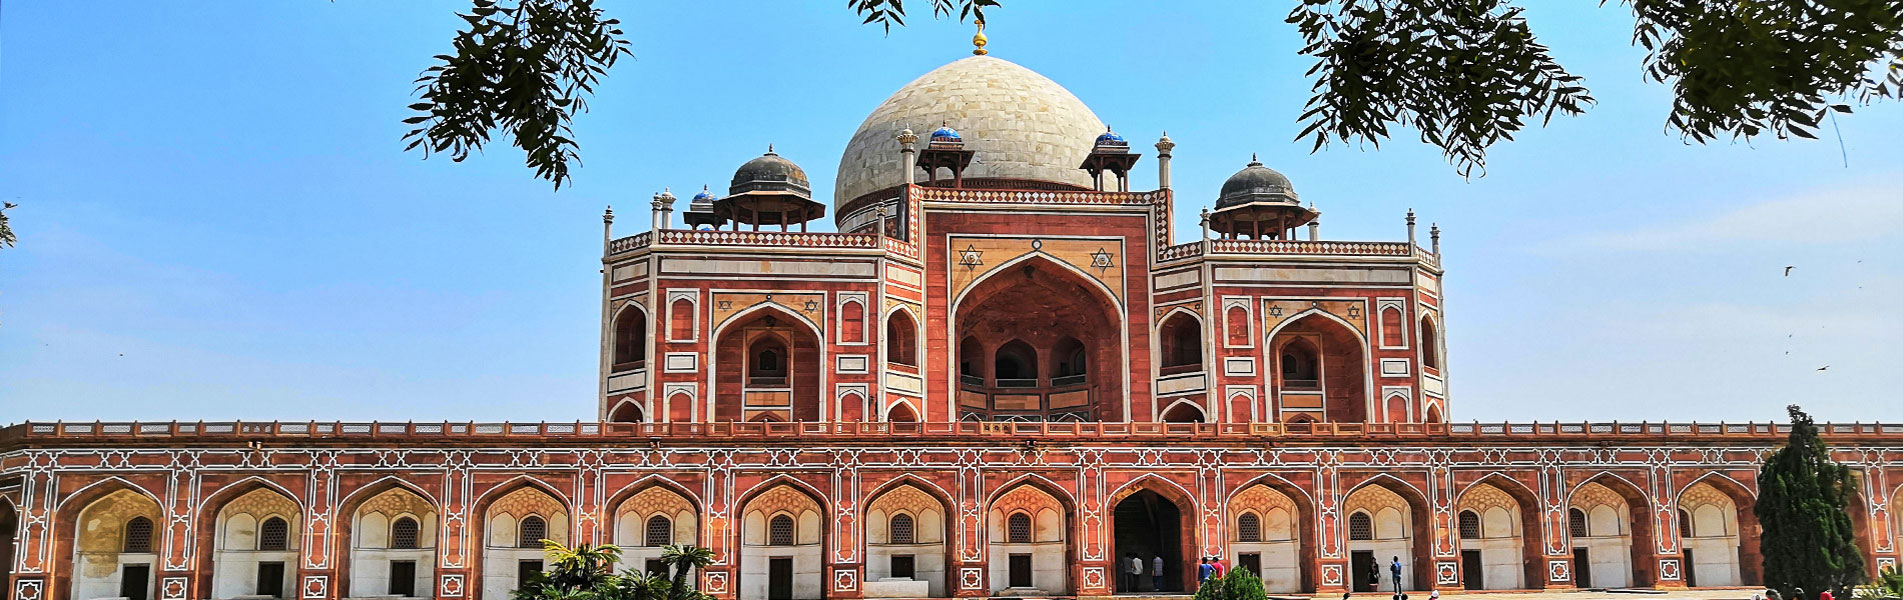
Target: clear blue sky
217,219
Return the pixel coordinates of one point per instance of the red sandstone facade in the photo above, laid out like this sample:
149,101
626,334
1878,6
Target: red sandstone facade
990,382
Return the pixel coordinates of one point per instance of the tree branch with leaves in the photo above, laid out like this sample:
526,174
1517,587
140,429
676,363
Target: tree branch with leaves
1464,74
525,68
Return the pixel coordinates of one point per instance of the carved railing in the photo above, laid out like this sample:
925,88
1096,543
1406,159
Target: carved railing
901,248
769,238
1308,247
1180,251
1037,196
633,242
1644,432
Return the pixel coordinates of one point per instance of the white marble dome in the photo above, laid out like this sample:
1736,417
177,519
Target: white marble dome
1021,125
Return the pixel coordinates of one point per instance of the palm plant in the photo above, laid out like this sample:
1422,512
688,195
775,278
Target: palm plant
684,559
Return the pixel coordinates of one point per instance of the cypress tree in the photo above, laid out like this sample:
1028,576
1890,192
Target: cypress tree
1803,507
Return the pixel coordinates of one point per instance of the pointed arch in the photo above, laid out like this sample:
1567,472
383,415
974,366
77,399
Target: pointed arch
1343,383
506,486
852,320
743,315
1183,411
683,321
1179,336
804,487
901,336
628,345
901,411
1641,559
1161,485
1530,525
1745,551
1429,336
216,500
1420,524
1039,255
649,481
628,410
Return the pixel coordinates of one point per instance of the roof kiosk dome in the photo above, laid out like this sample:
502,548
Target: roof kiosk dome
946,134
1255,183
1025,130
770,173
1259,203
769,190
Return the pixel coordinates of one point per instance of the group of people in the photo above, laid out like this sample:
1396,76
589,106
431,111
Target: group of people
1133,567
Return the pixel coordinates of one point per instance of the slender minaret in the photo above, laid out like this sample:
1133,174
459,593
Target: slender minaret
909,154
667,207
1410,230
1315,230
607,228
1163,148
1205,224
1433,231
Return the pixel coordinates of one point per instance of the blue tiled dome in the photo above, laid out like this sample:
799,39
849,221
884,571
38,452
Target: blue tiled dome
946,134
704,195
1110,138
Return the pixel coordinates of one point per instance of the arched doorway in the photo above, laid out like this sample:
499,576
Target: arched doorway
782,541
650,520
1492,524
1711,529
255,547
513,527
1611,535
1029,543
392,545
767,368
1265,537
1320,369
116,545
907,554
1038,341
1147,525
1387,521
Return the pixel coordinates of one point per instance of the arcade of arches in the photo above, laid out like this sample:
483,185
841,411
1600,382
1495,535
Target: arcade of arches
786,537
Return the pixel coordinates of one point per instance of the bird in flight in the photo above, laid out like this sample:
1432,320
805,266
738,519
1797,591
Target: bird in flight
1823,367
1787,270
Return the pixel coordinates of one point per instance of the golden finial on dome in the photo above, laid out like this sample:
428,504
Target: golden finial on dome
979,39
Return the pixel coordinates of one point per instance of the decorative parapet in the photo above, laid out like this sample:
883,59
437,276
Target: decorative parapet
929,194
1308,247
901,248
1180,251
1293,247
752,239
57,433
769,238
630,243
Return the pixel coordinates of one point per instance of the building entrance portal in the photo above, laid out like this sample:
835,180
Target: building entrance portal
1147,526
1038,341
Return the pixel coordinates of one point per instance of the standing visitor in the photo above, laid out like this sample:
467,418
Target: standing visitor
1204,571
1222,568
1156,573
1133,568
1394,570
